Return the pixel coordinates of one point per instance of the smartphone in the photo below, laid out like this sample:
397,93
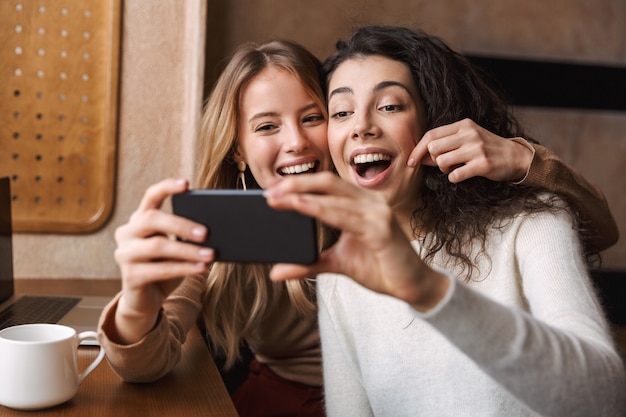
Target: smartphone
243,228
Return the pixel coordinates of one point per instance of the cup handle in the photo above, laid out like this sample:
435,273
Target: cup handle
90,335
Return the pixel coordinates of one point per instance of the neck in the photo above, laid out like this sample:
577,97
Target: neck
404,207
405,220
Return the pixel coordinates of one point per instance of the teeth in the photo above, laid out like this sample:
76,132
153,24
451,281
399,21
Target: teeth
297,169
371,157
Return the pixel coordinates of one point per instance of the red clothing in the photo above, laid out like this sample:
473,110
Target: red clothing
265,394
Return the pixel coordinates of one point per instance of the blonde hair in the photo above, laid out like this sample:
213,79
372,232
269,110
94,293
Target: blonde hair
239,295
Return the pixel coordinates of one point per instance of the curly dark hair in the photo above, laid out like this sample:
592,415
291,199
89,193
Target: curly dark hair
456,216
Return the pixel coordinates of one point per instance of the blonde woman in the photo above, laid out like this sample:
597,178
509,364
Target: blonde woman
265,118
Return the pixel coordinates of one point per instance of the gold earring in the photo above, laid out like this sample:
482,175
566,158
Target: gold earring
241,177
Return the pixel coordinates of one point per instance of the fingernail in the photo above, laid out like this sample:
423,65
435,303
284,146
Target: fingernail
411,162
205,252
197,231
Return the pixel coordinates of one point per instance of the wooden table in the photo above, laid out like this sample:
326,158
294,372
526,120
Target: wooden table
193,388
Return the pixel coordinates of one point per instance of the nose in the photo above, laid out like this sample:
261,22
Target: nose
296,140
364,126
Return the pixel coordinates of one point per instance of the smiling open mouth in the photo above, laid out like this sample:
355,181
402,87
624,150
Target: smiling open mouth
309,167
370,165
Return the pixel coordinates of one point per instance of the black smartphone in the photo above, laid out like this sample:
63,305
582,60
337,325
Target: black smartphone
243,228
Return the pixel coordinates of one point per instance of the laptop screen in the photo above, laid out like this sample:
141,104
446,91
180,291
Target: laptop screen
6,244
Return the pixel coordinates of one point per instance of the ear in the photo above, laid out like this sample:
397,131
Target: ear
238,156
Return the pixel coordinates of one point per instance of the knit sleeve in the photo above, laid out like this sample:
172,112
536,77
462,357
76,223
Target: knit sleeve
549,172
158,352
558,357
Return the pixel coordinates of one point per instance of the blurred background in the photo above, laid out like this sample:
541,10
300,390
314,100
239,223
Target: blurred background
171,50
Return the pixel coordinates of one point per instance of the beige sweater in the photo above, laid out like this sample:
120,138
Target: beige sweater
548,171
290,343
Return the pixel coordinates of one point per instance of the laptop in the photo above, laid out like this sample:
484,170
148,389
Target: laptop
80,312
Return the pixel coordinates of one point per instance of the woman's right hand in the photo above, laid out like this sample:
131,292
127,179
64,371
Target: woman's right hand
373,248
465,150
151,263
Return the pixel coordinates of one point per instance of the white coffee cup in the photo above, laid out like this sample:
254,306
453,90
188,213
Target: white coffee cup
38,365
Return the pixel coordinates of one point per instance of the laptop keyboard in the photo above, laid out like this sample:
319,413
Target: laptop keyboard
36,309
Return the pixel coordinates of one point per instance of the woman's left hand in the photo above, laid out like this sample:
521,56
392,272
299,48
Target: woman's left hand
372,248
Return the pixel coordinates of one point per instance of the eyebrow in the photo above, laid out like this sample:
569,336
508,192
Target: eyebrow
261,115
378,87
340,90
271,114
387,84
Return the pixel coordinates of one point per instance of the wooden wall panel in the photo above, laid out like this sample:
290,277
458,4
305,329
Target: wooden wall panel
58,111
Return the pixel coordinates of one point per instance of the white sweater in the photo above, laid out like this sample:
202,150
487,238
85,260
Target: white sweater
527,337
